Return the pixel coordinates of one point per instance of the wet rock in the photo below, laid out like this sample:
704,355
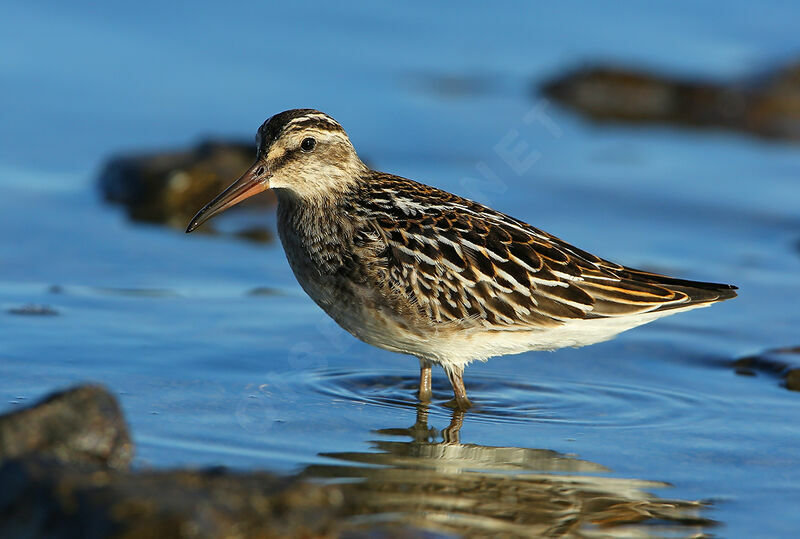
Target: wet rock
767,106
256,234
78,425
33,310
46,498
63,473
792,379
783,363
170,187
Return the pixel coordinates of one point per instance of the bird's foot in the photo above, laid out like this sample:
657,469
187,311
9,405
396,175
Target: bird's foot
457,403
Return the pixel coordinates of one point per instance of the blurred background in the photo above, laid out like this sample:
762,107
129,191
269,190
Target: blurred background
665,137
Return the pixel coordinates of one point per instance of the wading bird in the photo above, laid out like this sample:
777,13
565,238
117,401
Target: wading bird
420,271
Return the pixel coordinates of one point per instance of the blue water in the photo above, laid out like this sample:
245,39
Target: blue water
209,373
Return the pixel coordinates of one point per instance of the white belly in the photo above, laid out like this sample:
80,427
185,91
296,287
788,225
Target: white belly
461,348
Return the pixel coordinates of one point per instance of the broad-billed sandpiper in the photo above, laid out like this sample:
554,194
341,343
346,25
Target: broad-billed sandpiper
420,271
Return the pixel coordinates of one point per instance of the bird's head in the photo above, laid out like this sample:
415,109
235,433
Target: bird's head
302,152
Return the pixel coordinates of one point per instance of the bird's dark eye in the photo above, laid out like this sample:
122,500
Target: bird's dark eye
308,144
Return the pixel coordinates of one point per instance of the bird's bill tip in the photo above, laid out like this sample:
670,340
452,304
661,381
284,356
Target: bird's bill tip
251,183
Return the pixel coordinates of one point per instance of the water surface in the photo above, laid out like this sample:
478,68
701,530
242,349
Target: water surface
210,373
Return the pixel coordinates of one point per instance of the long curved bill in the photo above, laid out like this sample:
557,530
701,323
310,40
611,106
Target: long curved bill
252,182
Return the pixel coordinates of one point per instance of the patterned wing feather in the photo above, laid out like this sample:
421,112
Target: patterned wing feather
455,260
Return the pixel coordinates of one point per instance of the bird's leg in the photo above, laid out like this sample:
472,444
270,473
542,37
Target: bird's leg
425,391
456,376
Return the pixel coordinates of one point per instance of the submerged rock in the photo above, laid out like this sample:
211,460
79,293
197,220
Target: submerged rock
63,474
169,187
780,362
33,310
767,106
80,425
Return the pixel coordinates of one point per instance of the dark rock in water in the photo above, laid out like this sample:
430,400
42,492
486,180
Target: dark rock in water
793,379
170,187
767,107
45,498
257,234
33,310
780,362
78,425
63,475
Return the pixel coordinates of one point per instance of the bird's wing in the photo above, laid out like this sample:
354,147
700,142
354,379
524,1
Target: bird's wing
459,261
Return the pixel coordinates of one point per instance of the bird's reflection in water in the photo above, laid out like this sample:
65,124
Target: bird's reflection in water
434,482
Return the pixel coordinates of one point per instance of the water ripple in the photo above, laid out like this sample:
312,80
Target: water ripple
499,399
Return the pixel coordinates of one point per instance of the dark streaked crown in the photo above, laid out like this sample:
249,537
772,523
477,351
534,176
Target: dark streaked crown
294,119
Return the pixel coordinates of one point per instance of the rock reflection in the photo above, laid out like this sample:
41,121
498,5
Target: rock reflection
435,482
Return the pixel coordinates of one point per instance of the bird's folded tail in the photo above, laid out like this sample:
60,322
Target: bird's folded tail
696,291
